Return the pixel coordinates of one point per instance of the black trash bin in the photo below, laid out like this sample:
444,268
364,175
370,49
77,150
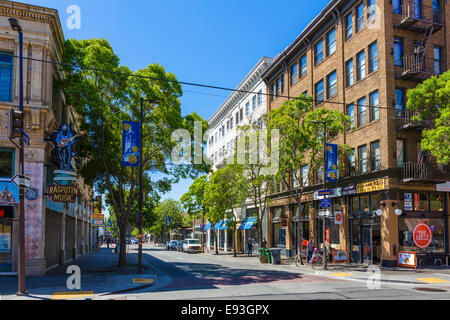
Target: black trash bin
276,255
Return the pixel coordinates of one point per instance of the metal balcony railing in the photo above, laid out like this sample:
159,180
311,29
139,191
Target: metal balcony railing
425,171
406,121
415,15
414,66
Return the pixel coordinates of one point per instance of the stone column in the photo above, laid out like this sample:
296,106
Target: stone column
343,228
269,228
62,237
82,235
389,234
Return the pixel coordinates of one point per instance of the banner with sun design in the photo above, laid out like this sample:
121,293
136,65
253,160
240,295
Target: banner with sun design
332,162
130,143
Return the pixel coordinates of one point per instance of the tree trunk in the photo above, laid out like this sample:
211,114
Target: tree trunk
216,247
123,249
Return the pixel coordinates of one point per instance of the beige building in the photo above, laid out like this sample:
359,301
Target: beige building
53,235
360,57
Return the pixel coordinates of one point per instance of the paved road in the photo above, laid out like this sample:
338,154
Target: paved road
206,276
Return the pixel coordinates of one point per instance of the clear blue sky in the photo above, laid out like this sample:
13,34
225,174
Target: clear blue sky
203,41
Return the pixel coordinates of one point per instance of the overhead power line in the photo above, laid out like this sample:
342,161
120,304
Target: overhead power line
202,85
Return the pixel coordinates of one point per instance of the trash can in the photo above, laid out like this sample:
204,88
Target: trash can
268,255
276,255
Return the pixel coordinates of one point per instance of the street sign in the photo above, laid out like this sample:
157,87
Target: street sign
325,203
324,213
22,181
328,192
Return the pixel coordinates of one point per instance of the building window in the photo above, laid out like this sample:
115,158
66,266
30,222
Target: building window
303,66
375,155
305,172
319,92
359,17
247,108
397,6
417,8
400,102
294,75
348,26
362,158
331,85
254,102
351,114
398,52
6,76
318,52
6,163
362,112
373,57
401,153
305,93
237,118
438,62
360,66
277,87
259,97
272,92
231,122
374,106
282,83
241,115
437,11
331,42
351,163
371,10
349,79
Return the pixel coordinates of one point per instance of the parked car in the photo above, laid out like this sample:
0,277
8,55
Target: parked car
192,245
173,244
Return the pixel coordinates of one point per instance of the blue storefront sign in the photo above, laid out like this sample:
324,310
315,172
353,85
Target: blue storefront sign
325,203
130,143
332,162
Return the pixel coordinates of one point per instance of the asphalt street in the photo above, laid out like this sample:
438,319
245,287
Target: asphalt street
209,276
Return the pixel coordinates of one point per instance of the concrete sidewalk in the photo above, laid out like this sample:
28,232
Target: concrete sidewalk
101,278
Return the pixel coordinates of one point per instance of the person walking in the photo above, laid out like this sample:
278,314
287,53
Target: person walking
249,247
310,248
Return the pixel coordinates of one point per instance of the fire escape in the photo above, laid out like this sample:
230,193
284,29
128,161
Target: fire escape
424,20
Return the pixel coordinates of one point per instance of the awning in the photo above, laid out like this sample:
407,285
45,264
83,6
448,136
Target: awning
218,224
208,226
248,223
225,224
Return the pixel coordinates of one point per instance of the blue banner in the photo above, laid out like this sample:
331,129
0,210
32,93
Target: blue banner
332,162
130,144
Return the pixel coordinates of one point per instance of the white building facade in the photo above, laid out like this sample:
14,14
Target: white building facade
244,106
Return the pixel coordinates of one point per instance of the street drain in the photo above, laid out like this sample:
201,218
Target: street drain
430,289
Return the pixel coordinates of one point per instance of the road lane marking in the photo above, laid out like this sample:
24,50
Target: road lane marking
340,274
432,280
71,295
139,280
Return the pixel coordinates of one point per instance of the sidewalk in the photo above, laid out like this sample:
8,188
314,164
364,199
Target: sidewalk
100,279
359,272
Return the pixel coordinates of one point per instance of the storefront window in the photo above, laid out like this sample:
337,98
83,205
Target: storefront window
406,227
420,202
375,199
365,203
355,204
6,163
436,202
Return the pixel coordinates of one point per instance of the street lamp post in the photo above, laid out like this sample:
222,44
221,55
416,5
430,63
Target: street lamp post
141,188
324,225
21,255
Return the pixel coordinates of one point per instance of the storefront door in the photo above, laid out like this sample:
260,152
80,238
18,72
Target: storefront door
5,244
370,242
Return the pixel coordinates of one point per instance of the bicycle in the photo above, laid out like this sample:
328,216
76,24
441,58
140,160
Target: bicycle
316,261
301,258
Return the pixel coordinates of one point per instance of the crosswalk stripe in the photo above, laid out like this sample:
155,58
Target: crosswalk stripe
432,280
340,274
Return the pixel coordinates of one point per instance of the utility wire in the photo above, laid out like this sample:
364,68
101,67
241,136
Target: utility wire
202,85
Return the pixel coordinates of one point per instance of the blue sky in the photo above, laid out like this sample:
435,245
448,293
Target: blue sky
202,41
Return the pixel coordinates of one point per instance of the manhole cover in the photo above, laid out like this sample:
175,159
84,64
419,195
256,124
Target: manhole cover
430,289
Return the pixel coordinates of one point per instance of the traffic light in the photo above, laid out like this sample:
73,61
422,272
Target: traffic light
15,124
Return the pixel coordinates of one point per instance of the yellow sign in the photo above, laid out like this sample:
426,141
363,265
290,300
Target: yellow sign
370,186
98,216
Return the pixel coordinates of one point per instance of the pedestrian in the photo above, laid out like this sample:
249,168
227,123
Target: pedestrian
310,248
249,247
107,243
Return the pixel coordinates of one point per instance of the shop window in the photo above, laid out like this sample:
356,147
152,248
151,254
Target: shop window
405,234
6,76
420,202
365,204
375,202
355,204
436,202
6,163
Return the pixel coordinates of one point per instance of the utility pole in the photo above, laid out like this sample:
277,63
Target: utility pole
21,255
324,218
141,187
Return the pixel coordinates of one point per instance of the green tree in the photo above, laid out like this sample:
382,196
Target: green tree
104,100
193,201
167,208
301,143
225,191
431,100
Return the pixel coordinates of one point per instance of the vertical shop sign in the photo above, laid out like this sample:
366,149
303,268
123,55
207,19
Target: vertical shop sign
332,159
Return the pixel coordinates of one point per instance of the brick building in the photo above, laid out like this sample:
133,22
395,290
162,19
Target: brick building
53,234
360,57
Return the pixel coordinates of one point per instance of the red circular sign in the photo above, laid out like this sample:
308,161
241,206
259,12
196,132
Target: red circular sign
422,235
338,216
